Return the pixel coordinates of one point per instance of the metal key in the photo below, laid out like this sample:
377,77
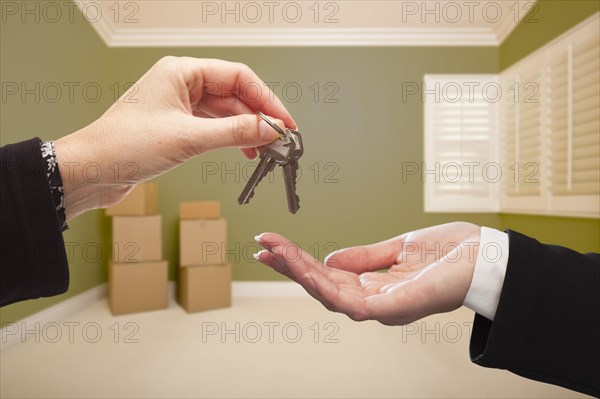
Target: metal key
284,152
290,172
266,164
276,153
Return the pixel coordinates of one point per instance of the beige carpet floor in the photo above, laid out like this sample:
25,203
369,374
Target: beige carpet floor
275,347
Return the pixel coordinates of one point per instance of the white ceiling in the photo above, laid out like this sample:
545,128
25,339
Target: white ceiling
304,22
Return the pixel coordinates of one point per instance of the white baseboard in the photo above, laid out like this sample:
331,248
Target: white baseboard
53,314
68,307
258,289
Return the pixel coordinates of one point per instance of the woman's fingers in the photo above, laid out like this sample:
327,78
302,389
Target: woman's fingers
337,290
267,258
249,153
222,78
366,258
222,89
221,107
280,265
294,253
298,262
246,131
338,299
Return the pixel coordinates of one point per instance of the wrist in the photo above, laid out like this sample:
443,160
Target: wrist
55,183
81,193
488,276
75,193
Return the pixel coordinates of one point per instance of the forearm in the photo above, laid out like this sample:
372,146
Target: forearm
90,171
546,326
33,260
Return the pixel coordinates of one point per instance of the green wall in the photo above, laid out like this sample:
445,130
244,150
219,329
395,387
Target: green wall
553,18
580,234
51,55
363,139
549,19
357,143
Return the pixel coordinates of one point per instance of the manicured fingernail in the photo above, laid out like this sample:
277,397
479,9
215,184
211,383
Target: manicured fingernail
257,238
326,260
255,256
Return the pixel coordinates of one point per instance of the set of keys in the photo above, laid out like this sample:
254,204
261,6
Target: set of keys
284,152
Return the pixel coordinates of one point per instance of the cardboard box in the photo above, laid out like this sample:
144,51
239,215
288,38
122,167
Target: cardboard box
204,287
136,239
200,210
202,242
137,287
141,201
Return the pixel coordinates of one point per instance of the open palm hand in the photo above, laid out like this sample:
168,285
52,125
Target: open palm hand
428,271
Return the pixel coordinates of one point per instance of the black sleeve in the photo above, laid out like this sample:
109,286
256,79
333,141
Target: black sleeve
33,261
547,324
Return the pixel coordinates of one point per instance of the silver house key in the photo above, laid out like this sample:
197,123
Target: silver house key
283,152
290,171
275,153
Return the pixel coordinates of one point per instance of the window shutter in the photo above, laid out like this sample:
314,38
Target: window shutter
575,129
461,143
522,138
549,139
573,108
559,135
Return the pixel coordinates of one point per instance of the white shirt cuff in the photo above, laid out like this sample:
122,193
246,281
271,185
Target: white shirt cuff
488,276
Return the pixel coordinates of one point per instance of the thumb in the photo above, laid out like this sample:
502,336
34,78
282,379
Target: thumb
234,131
367,258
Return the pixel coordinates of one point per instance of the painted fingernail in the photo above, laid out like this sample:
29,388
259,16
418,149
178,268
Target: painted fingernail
256,256
265,244
326,260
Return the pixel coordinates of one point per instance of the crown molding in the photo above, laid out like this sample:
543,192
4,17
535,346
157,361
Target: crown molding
504,28
273,37
137,36
148,33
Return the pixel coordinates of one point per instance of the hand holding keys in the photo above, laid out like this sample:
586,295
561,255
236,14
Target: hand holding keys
284,152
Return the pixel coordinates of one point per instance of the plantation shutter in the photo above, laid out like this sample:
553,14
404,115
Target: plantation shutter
575,116
548,142
573,108
522,138
461,143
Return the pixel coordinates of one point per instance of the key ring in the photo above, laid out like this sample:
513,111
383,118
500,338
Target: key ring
272,124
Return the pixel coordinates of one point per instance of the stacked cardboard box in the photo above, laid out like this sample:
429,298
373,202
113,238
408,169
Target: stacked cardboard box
137,274
204,275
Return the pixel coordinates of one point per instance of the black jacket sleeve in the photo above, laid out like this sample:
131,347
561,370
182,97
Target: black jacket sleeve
547,324
33,261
